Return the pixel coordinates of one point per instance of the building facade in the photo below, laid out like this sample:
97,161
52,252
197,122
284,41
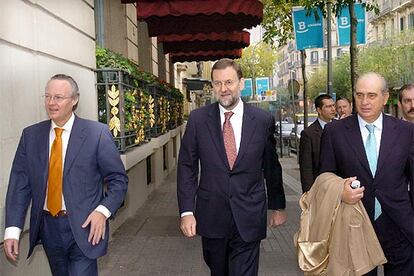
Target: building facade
40,38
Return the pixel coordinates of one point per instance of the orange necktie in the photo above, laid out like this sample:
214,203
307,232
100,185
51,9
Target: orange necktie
54,190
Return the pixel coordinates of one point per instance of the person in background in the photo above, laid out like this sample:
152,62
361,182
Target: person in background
310,140
406,102
226,202
343,107
60,167
377,150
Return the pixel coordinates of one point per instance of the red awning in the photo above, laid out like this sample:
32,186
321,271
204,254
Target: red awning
205,55
204,42
165,17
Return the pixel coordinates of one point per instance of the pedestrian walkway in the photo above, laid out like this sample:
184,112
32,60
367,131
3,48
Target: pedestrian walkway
150,243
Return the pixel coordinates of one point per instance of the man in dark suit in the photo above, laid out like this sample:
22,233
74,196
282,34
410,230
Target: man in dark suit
378,150
60,168
310,140
226,203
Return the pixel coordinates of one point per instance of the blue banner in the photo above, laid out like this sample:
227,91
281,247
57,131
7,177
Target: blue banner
308,29
248,88
262,85
344,25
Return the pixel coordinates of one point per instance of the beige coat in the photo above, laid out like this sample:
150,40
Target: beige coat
335,238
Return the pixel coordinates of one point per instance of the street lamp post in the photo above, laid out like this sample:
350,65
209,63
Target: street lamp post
291,72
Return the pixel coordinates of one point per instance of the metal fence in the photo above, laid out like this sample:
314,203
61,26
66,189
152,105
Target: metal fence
134,110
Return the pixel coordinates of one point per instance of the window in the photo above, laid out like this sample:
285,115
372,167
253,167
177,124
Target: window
392,27
384,30
411,21
338,52
402,19
314,57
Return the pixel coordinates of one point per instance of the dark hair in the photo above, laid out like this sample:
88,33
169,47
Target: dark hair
345,99
405,87
71,81
320,98
224,63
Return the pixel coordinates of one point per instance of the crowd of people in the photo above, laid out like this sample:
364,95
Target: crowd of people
228,176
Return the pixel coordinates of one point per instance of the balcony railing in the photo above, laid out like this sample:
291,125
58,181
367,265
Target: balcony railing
135,111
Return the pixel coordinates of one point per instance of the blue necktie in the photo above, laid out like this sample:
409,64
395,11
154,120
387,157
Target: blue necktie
371,151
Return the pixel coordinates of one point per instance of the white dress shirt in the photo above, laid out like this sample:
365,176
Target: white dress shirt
14,232
378,130
236,121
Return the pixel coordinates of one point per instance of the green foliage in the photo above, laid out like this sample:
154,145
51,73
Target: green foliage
258,60
277,16
393,59
106,58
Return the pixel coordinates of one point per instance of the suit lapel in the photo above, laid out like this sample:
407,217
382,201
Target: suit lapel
318,129
387,140
76,139
354,140
248,129
43,142
214,126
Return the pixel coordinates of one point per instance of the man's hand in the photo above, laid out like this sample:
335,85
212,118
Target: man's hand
11,249
350,195
97,221
188,226
277,217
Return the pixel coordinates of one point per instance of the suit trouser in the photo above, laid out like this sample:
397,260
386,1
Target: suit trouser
64,255
231,255
397,248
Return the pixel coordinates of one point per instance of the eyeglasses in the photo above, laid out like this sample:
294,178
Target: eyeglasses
227,83
57,98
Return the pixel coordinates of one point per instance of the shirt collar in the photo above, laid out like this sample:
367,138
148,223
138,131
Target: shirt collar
377,123
68,126
322,122
237,110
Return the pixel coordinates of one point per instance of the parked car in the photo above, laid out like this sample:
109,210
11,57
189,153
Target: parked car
294,136
286,129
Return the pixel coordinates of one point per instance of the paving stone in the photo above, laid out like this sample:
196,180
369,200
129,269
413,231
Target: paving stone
150,243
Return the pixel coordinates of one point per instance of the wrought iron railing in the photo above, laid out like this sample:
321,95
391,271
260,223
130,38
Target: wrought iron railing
134,110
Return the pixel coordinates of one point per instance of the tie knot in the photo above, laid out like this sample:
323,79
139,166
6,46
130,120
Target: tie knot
370,128
58,132
227,115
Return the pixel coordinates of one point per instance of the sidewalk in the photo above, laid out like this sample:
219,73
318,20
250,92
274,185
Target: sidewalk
150,243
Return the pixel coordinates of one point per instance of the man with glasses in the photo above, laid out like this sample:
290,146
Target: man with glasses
60,168
225,203
378,150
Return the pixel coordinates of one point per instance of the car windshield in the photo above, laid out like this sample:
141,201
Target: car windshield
287,127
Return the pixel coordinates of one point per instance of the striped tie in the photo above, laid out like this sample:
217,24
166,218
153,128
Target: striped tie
371,151
229,139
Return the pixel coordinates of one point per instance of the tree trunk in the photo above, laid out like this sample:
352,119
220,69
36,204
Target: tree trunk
353,51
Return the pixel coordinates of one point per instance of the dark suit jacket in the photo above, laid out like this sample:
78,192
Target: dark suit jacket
343,153
91,158
223,194
309,147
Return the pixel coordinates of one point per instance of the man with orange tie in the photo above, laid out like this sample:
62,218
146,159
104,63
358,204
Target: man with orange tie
60,167
235,145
